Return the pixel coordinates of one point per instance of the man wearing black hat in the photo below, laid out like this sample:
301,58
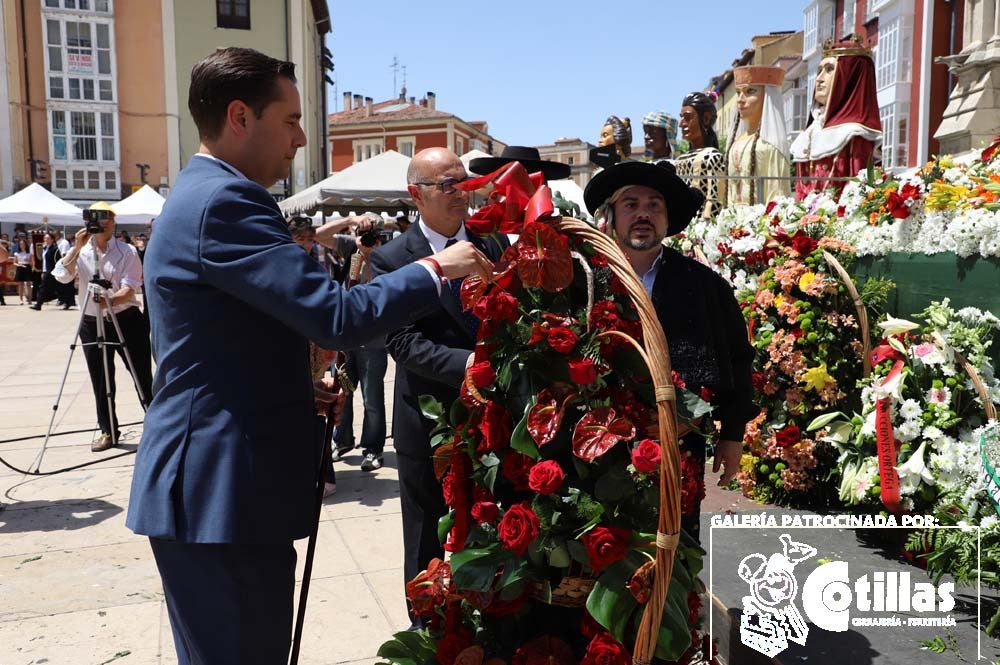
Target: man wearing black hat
640,204
529,158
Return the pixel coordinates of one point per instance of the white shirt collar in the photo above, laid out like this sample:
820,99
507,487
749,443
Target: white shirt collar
438,241
223,162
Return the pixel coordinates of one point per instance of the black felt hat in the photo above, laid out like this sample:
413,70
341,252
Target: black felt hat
529,158
683,202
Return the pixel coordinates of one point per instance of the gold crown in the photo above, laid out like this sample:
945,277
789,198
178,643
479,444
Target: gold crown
853,46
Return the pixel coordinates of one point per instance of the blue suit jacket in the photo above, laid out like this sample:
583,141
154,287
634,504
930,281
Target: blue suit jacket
229,452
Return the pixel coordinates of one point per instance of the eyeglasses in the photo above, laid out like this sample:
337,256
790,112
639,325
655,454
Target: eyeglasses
446,186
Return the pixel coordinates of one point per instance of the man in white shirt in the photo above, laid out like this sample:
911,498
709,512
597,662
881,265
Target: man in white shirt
117,264
65,292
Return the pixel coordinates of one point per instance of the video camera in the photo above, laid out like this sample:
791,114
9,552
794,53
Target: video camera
93,218
375,234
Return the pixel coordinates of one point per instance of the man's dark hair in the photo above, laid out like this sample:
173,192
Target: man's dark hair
230,74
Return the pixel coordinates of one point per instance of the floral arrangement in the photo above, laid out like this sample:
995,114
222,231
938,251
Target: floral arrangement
920,408
808,340
550,466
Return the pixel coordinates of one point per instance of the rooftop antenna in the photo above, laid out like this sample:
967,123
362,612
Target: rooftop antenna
395,68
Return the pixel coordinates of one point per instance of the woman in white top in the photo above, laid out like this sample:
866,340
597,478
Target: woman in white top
22,259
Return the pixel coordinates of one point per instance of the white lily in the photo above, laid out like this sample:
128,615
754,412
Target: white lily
913,471
889,387
894,326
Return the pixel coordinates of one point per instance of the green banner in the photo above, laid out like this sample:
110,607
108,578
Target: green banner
989,450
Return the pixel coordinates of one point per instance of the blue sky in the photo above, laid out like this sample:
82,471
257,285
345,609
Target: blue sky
536,71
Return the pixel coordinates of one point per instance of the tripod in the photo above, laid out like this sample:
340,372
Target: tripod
97,292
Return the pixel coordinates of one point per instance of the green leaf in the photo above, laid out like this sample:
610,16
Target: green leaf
675,634
489,460
490,477
445,523
610,602
578,551
822,421
474,569
693,406
559,557
614,486
458,413
520,439
430,407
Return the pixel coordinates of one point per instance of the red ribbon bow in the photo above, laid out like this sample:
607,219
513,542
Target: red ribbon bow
517,198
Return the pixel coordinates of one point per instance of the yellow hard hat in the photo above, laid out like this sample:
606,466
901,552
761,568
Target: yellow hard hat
102,205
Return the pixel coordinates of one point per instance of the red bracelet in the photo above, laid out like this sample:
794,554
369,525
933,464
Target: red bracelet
435,265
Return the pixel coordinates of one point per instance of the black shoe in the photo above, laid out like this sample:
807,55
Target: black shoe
341,449
65,307
371,462
37,307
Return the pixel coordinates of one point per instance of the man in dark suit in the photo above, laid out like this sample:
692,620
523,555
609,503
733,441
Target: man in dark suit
227,469
47,288
431,353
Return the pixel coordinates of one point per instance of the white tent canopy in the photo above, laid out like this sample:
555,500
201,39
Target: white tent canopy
36,205
140,208
377,182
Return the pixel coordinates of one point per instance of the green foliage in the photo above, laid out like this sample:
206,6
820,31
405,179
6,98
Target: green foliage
875,293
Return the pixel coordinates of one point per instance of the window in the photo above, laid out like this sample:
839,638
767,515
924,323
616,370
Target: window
406,145
58,131
79,58
827,22
569,160
850,14
885,61
873,7
87,140
895,135
812,19
795,111
83,130
366,149
233,14
99,6
460,145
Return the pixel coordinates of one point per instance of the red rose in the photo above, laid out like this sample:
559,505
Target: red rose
605,545
897,206
759,380
841,210
482,374
485,512
803,244
582,371
518,528
676,379
516,468
692,483
497,306
546,477
606,650
544,650
788,436
646,456
706,394
562,339
604,315
797,332
495,428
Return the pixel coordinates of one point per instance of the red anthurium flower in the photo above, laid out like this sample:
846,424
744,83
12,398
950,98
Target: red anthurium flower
598,432
546,414
495,428
544,259
473,288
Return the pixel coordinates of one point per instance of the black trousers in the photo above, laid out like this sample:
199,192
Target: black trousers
422,502
135,329
48,289
228,604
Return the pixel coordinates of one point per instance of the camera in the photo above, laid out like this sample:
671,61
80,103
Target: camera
374,234
93,218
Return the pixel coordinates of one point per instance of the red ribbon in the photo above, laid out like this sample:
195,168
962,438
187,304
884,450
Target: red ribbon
517,198
888,449
884,352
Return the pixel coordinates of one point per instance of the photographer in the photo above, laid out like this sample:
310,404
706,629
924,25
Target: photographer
117,265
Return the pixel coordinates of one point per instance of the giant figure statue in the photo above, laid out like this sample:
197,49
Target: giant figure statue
757,151
703,158
617,132
844,131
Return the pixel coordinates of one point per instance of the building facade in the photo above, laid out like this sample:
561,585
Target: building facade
574,152
97,89
905,36
365,128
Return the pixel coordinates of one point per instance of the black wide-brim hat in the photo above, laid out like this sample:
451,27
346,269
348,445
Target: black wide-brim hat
683,202
529,158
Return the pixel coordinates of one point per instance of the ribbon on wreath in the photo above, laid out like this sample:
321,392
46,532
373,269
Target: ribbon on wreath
988,444
518,198
886,444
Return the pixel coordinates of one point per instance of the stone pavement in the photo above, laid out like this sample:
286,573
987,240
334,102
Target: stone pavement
78,588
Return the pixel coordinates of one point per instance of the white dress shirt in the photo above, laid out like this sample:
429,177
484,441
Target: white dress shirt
119,265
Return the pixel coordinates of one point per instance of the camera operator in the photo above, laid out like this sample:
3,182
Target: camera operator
117,265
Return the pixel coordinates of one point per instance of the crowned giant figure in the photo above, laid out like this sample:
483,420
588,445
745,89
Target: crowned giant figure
844,131
757,152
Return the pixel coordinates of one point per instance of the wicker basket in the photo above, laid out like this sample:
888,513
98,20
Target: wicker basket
859,307
572,591
656,355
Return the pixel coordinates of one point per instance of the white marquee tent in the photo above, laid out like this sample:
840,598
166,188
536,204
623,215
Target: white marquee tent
140,208
375,183
36,205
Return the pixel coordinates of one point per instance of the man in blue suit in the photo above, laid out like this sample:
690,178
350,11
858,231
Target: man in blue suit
225,475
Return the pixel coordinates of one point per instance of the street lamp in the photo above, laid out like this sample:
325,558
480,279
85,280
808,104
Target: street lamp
142,171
